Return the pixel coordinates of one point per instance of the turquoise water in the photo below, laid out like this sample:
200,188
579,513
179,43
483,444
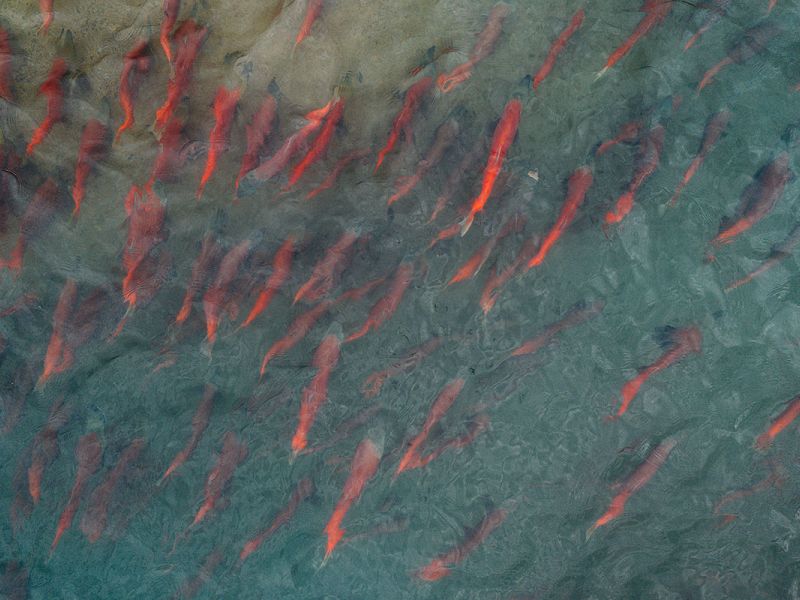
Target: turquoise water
549,456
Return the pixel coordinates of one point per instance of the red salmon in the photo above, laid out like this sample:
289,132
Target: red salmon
256,133
53,89
188,37
46,10
171,9
209,254
199,424
628,133
44,449
225,103
37,215
558,47
333,176
474,264
6,62
232,455
714,128
281,268
411,360
753,42
778,254
781,422
327,271
313,10
577,315
59,355
218,293
402,122
497,279
136,64
384,308
93,148
716,10
320,145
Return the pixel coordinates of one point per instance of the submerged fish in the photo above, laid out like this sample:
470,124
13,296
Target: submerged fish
171,8
136,64
225,103
199,424
281,268
321,143
218,294
92,149
37,215
716,10
474,263
210,251
188,37
558,47
232,455
6,62
412,359
402,121
256,133
53,90
384,308
328,270
781,422
313,10
341,165
753,42
778,254
577,315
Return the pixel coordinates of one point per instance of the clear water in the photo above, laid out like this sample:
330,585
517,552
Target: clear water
549,450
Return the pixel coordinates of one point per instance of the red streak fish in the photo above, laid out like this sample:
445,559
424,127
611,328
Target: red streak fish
88,453
45,449
199,424
558,47
497,279
412,359
59,355
440,406
577,315
772,4
441,566
95,517
218,294
773,479
577,186
655,12
327,272
753,42
340,166
53,90
325,360
277,163
717,10
646,164
714,128
190,588
145,226
364,466
320,145
683,342
188,37
446,134
46,10
136,64
474,264
402,122
37,214
232,455
93,149
478,425
281,268
296,332
256,133
456,177
225,103
384,308
781,422
487,39
758,198
778,254
313,10
503,137
636,481
171,154
629,132
345,429
171,9
209,253
302,492
6,62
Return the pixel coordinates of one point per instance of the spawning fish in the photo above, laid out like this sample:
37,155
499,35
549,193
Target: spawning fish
558,47
577,186
218,293
53,90
635,481
628,133
225,103
38,213
6,62
497,279
46,10
781,422
232,455
683,342
717,10
484,45
136,64
45,449
778,254
753,42
333,176
412,359
384,308
202,266
363,468
467,165
655,12
93,148
191,587
577,315
402,122
320,145
256,133
327,271
171,8
469,269
296,332
313,10
188,37
714,128
315,394
199,424
59,355
504,135
345,429
281,268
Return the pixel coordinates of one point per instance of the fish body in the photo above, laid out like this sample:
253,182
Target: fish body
6,63
384,308
781,422
93,148
199,424
402,121
256,134
320,145
714,129
313,10
281,268
136,64
225,103
232,455
558,47
412,359
218,293
189,37
53,90
327,271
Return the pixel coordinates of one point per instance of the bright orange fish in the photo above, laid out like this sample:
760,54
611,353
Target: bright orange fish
340,166
646,164
441,566
232,455
717,10
218,293
171,9
202,266
440,406
683,342
753,42
781,422
46,10
577,186
364,466
412,359
315,394
384,308
281,268
636,481
558,47
629,132
53,89
503,137
89,454
93,147
199,424
256,133
188,37
95,517
483,47
655,12
327,271
778,254
225,103
59,357
38,213
145,231
714,128
402,122
320,145
6,62
474,264
304,490
136,64
313,10
758,198
445,135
